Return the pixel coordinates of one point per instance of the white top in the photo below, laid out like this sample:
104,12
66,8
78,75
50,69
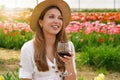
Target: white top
28,67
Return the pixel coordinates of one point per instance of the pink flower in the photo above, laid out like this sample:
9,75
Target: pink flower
5,31
1,25
88,30
117,30
73,27
22,26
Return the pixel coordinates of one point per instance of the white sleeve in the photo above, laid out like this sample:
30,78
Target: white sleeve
73,51
26,62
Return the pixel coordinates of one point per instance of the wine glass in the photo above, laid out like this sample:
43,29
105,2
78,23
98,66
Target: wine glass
63,49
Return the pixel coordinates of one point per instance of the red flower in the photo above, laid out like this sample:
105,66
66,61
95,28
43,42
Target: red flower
12,34
100,40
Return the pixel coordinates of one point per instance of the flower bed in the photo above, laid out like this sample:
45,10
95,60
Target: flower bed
14,35
105,17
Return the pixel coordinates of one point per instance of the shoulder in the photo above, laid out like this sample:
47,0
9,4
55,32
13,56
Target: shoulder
70,43
28,46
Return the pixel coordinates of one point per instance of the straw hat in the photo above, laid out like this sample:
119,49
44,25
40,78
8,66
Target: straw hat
61,4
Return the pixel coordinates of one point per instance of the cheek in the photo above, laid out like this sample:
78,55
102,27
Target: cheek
61,23
45,23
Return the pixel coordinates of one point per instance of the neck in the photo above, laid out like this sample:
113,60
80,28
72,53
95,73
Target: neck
50,40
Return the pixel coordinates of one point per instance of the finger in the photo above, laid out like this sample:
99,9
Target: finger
66,60
67,57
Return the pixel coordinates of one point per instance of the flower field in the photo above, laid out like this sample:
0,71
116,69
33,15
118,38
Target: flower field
14,29
96,36
104,17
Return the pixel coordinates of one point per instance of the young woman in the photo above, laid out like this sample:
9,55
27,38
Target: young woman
39,60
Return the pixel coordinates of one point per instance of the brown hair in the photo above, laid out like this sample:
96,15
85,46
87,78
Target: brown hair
39,46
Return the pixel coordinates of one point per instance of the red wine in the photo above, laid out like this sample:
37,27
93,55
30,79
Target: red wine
62,54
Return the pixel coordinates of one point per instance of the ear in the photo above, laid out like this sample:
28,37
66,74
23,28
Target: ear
41,23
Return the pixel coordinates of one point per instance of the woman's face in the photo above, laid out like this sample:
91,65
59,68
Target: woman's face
52,22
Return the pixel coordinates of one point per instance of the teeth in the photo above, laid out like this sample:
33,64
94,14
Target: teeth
55,26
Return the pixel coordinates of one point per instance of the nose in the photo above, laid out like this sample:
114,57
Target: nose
56,20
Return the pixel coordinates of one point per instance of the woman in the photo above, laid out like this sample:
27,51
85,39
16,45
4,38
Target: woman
39,60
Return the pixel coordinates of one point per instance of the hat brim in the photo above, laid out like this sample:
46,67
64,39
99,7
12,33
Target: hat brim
62,5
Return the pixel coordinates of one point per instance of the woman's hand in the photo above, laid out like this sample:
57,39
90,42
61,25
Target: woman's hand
68,60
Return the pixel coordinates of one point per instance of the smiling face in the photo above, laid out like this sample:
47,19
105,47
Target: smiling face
52,22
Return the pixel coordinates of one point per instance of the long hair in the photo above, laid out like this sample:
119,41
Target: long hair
39,46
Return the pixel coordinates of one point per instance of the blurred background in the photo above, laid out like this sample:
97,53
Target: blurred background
9,4
94,30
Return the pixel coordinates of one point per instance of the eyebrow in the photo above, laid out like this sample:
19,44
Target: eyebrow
53,14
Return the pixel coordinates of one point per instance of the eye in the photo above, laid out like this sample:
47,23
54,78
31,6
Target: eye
51,16
60,18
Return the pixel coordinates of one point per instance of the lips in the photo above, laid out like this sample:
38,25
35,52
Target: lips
55,27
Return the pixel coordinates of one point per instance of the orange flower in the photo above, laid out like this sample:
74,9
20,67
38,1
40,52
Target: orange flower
18,33
111,39
100,40
12,34
81,40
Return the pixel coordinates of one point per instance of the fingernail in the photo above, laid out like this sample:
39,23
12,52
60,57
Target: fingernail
65,56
